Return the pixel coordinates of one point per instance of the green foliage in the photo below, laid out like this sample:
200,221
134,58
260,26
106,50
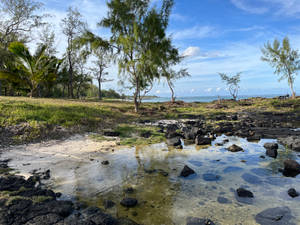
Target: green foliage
232,83
284,59
30,70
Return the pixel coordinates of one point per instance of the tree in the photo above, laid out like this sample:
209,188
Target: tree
29,69
139,35
232,83
172,76
284,59
18,19
101,50
72,26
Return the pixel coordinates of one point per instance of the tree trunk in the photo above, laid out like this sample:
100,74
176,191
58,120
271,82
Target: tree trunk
0,87
99,89
63,91
172,91
136,96
293,92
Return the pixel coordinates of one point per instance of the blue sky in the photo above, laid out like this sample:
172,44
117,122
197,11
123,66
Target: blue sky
215,36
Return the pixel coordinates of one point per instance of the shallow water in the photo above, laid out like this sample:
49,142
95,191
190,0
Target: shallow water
77,172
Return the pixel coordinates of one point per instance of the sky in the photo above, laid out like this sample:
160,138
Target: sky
214,36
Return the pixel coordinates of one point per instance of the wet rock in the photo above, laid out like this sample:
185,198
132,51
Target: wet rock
293,193
262,157
252,179
211,177
275,216
175,141
291,168
292,142
14,183
111,133
223,200
198,221
163,173
150,171
129,202
243,193
234,148
105,162
108,204
191,133
271,149
201,140
187,171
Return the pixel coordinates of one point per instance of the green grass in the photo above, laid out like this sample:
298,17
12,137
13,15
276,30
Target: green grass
131,135
88,115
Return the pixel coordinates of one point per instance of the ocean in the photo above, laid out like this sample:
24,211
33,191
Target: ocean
205,98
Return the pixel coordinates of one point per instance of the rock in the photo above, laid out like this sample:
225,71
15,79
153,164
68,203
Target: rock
293,193
198,221
234,148
275,216
191,133
292,142
201,140
186,171
271,149
271,146
146,134
111,133
175,141
243,193
105,162
129,202
291,168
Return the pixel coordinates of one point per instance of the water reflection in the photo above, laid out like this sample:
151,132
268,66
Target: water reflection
151,175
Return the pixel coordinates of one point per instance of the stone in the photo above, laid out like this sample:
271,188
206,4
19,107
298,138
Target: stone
111,133
201,140
223,200
175,141
275,216
293,193
187,171
129,202
105,162
243,193
234,148
271,146
291,168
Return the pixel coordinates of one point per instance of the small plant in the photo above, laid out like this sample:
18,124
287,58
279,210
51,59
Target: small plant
232,83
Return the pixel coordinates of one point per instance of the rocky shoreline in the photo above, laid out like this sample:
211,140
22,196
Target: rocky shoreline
27,202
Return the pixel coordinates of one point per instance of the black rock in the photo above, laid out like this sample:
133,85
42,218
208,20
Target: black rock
291,168
275,216
293,193
198,221
175,141
129,202
146,134
243,193
186,171
234,148
111,133
129,190
106,162
201,140
271,146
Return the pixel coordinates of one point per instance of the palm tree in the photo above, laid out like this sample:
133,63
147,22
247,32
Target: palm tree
31,69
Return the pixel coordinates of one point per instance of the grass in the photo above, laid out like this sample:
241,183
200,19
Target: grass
82,116
132,135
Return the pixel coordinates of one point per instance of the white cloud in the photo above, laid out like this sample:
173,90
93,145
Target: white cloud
208,90
191,51
218,89
248,7
196,32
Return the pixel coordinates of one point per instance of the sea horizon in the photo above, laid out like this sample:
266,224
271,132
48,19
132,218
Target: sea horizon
207,98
